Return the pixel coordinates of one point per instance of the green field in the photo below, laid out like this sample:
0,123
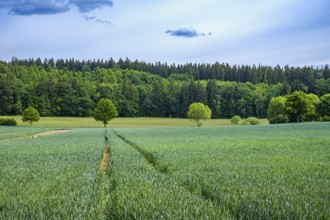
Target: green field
226,172
9,133
139,122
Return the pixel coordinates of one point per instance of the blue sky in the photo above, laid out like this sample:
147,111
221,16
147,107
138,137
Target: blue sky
293,32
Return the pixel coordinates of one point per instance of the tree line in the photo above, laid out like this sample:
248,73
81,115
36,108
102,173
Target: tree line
73,88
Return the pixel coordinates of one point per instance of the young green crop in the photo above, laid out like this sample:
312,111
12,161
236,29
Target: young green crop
9,132
262,172
51,177
234,172
139,191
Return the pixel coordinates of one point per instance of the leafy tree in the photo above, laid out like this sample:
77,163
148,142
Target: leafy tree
235,120
299,106
260,94
323,107
158,97
30,115
198,111
276,107
322,87
314,99
129,103
105,111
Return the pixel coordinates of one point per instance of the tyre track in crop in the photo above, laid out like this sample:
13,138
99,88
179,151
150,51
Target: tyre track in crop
106,184
149,157
192,185
106,155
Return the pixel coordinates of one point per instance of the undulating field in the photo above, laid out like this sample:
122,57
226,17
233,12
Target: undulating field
229,172
139,122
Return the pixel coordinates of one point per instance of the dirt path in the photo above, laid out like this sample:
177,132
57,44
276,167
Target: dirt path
43,134
49,133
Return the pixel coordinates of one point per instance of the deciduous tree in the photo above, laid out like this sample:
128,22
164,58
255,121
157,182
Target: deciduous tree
299,106
277,109
323,107
105,111
198,111
30,115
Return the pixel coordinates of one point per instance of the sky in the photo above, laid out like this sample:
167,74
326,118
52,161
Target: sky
242,32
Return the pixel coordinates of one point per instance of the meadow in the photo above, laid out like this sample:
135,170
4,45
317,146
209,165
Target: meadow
214,172
138,122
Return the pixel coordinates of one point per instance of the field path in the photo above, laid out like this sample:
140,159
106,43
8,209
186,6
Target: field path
49,133
42,134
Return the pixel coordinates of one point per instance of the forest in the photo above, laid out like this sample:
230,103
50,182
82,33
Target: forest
73,87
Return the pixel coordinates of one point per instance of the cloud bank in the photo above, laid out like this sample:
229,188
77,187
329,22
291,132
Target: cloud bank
185,32
38,7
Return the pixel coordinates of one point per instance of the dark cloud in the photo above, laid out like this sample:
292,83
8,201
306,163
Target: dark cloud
41,7
185,32
30,7
89,5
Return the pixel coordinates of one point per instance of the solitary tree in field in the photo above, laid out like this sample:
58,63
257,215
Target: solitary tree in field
198,111
30,115
105,111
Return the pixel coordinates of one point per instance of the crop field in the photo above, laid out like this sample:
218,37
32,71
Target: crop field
51,177
231,172
8,133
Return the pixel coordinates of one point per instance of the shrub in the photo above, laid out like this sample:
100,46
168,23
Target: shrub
235,120
326,118
246,123
8,122
279,119
252,120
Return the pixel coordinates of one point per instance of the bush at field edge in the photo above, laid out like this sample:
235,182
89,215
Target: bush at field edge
8,122
251,120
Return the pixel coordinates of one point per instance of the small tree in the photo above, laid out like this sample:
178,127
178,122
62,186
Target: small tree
30,115
105,111
198,111
235,120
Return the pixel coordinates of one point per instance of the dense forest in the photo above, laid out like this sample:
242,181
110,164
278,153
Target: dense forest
72,87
